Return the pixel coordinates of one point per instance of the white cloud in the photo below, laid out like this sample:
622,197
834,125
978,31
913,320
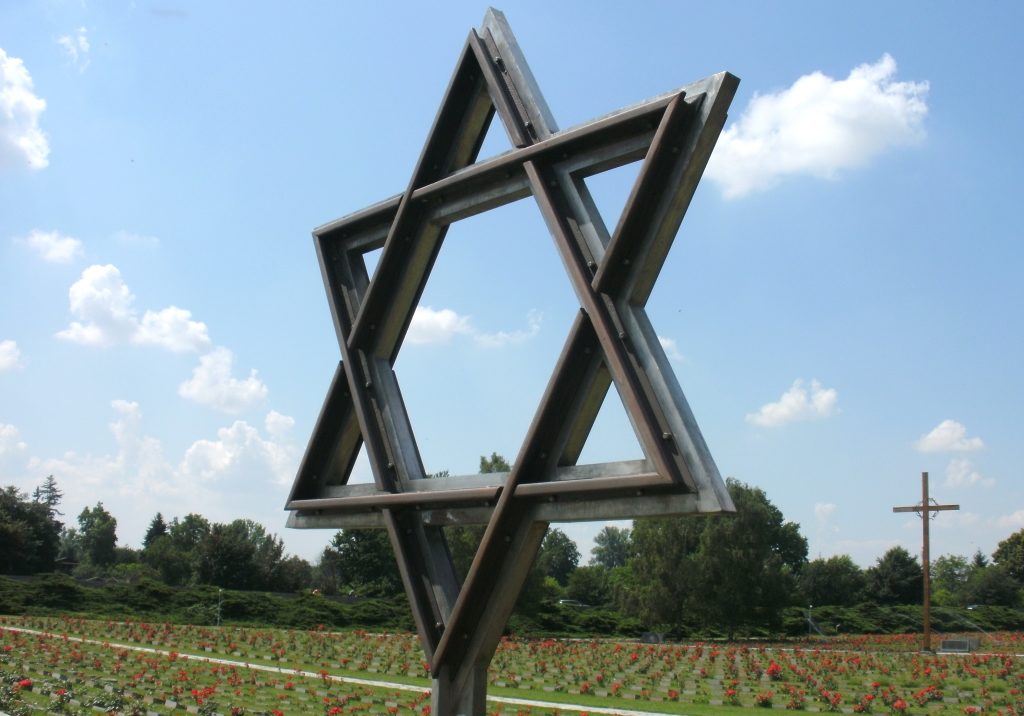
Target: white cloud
213,385
172,328
10,356
955,520
797,404
52,245
1012,521
819,127
103,303
137,480
10,441
22,142
671,349
431,325
104,307
238,452
864,552
278,425
76,47
504,338
823,511
948,436
961,473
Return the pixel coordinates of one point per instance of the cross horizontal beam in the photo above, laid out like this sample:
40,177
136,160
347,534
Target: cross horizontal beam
930,508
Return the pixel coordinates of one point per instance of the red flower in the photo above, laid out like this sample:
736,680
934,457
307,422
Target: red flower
25,684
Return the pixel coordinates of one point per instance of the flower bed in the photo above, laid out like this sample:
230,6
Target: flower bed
663,677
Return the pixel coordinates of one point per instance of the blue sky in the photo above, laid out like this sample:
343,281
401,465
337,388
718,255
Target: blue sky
842,303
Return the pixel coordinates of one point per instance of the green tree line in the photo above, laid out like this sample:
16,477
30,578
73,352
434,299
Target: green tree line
737,573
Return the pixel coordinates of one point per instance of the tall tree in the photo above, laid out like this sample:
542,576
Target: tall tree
294,574
950,574
611,547
49,494
29,534
994,586
834,581
188,533
240,555
464,540
897,578
1010,554
748,564
590,585
727,570
558,556
366,562
157,528
494,463
98,529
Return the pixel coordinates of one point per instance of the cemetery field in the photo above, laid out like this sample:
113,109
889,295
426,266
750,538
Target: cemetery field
70,665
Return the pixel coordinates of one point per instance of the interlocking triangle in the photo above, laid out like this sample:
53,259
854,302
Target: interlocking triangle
611,341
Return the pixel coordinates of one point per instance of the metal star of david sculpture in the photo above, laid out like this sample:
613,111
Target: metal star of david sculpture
611,341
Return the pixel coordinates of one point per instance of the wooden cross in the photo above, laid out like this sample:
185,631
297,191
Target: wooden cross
924,510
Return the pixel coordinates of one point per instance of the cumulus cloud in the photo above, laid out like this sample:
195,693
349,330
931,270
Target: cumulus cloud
955,520
797,404
172,328
22,142
103,304
229,474
1013,521
431,325
435,326
671,349
948,436
278,425
213,385
823,511
104,307
52,245
819,127
76,47
238,451
10,355
504,338
961,473
10,441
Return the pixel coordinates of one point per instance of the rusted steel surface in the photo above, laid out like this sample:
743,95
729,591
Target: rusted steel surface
611,342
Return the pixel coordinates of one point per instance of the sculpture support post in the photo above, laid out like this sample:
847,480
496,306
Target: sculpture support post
469,700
